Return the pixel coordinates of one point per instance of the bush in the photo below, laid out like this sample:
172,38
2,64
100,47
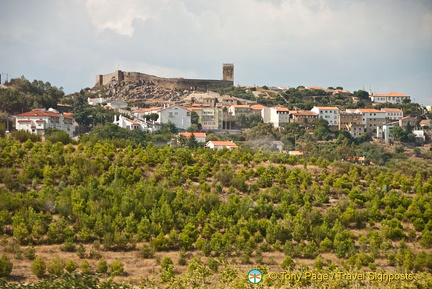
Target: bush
146,252
38,267
55,136
56,267
102,267
117,268
23,136
70,266
86,268
30,253
5,266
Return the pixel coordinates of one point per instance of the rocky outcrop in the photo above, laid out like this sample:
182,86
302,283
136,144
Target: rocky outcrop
140,90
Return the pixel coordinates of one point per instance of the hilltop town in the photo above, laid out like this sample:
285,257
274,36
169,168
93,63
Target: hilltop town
141,102
150,182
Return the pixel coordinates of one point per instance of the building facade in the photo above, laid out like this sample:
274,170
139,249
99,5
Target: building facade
176,114
278,116
39,120
329,113
393,97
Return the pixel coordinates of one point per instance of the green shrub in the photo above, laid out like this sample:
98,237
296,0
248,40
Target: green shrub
102,267
70,266
56,267
38,267
5,266
117,268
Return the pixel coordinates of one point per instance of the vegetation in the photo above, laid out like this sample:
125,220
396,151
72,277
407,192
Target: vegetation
223,205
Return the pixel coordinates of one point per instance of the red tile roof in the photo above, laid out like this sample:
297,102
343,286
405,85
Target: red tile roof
369,110
391,94
257,107
327,107
240,106
196,134
391,110
224,143
39,113
282,109
303,112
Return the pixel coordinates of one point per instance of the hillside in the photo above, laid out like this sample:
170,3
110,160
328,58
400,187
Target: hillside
175,217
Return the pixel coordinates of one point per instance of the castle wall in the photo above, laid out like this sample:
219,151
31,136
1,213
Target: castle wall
104,79
172,83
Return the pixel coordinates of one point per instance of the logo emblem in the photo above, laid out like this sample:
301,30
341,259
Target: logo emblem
255,276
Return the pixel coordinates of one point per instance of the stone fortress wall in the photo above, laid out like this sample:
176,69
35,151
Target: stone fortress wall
172,83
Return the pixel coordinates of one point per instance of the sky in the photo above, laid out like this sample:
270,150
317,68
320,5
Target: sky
382,45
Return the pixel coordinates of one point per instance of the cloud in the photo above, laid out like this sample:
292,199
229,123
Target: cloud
378,43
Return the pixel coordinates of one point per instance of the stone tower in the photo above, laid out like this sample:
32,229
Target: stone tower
228,72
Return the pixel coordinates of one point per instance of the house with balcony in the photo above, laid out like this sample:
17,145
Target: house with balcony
38,121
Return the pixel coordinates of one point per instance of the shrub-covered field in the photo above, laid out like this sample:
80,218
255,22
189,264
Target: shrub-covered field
157,216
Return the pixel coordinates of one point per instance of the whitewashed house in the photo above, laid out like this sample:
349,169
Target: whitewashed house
278,116
393,114
176,114
39,120
393,97
221,145
199,136
329,113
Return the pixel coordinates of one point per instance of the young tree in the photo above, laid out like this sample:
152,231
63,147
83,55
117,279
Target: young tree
5,266
38,267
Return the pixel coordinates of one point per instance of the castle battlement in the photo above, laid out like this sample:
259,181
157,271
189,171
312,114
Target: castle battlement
172,83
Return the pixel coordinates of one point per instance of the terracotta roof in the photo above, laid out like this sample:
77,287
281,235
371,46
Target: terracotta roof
303,112
391,109
295,153
406,117
39,113
425,121
148,109
366,110
282,109
196,134
391,94
257,107
224,143
131,121
24,120
314,87
68,115
39,120
327,107
240,106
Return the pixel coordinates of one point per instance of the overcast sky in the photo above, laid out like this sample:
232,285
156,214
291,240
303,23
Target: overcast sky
382,44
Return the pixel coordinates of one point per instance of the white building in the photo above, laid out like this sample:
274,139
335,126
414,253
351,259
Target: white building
199,136
372,118
179,116
39,120
129,124
329,113
221,145
95,101
237,109
393,97
393,114
278,116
